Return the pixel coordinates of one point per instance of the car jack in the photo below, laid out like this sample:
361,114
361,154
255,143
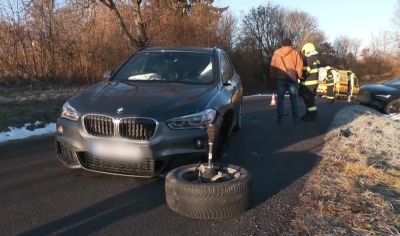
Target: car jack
212,173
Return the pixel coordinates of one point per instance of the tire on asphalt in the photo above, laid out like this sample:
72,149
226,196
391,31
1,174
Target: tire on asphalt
207,200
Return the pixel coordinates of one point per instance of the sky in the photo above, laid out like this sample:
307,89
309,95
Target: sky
354,18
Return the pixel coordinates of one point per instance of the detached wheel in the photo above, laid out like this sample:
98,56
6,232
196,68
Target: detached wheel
392,107
191,198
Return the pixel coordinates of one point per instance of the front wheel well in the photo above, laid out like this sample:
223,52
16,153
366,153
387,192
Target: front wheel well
227,121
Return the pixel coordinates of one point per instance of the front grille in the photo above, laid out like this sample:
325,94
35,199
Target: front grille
141,129
145,168
137,128
98,125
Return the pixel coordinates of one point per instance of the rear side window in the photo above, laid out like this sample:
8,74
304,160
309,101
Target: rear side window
172,67
230,68
224,70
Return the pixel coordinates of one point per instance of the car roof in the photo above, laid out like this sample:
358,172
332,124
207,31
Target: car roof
180,49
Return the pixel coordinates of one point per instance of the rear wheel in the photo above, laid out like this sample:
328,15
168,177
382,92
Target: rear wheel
392,107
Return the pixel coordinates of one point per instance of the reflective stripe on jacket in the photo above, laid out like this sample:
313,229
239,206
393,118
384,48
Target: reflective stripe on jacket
310,70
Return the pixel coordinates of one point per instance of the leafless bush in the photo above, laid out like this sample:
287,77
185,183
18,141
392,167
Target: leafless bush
78,40
346,51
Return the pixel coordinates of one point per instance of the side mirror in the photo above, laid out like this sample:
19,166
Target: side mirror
107,75
225,81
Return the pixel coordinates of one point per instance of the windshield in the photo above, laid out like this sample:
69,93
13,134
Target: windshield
393,83
173,67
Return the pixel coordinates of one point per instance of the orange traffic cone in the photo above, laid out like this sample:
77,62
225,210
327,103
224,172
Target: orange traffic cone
273,102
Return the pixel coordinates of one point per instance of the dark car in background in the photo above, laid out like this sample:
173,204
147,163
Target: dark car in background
385,96
152,109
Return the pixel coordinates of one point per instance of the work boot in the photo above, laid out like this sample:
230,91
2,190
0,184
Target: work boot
310,116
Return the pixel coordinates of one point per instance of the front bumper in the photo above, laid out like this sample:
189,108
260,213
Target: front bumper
75,149
372,100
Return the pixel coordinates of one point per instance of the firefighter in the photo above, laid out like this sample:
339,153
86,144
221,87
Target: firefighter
331,79
309,82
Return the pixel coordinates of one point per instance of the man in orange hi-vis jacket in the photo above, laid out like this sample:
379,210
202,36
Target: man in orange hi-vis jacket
286,69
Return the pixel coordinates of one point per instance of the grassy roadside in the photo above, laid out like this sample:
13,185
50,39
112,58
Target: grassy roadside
355,189
17,114
21,105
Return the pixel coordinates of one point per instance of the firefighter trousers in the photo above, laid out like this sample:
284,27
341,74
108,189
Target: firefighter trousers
308,93
330,93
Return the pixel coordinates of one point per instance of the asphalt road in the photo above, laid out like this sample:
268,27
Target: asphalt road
39,196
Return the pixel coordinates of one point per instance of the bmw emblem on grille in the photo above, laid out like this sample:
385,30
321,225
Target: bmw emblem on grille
120,110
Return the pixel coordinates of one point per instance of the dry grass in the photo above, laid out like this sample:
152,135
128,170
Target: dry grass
23,104
22,94
356,187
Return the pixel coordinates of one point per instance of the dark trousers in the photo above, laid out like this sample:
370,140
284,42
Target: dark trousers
308,93
292,88
330,93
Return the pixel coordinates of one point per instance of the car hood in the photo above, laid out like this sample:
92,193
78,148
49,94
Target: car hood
380,88
151,99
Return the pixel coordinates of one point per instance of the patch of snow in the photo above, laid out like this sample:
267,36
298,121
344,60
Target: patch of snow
22,133
37,123
255,96
258,95
394,117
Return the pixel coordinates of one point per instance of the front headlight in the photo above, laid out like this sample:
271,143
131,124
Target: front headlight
68,112
197,120
383,95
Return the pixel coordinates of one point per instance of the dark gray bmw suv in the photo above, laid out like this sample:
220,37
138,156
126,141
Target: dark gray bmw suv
155,107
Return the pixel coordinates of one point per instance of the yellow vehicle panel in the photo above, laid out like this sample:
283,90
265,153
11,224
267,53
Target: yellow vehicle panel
340,89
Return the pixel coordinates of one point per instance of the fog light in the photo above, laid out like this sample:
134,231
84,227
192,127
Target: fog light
199,143
60,129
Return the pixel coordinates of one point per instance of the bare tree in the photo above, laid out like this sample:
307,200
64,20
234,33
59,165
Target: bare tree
142,40
77,39
264,28
227,32
346,51
396,21
15,47
271,23
301,28
266,25
381,47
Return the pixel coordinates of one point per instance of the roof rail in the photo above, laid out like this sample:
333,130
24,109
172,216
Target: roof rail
146,47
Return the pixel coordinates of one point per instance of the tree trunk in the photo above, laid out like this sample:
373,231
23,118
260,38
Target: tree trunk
142,40
140,24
